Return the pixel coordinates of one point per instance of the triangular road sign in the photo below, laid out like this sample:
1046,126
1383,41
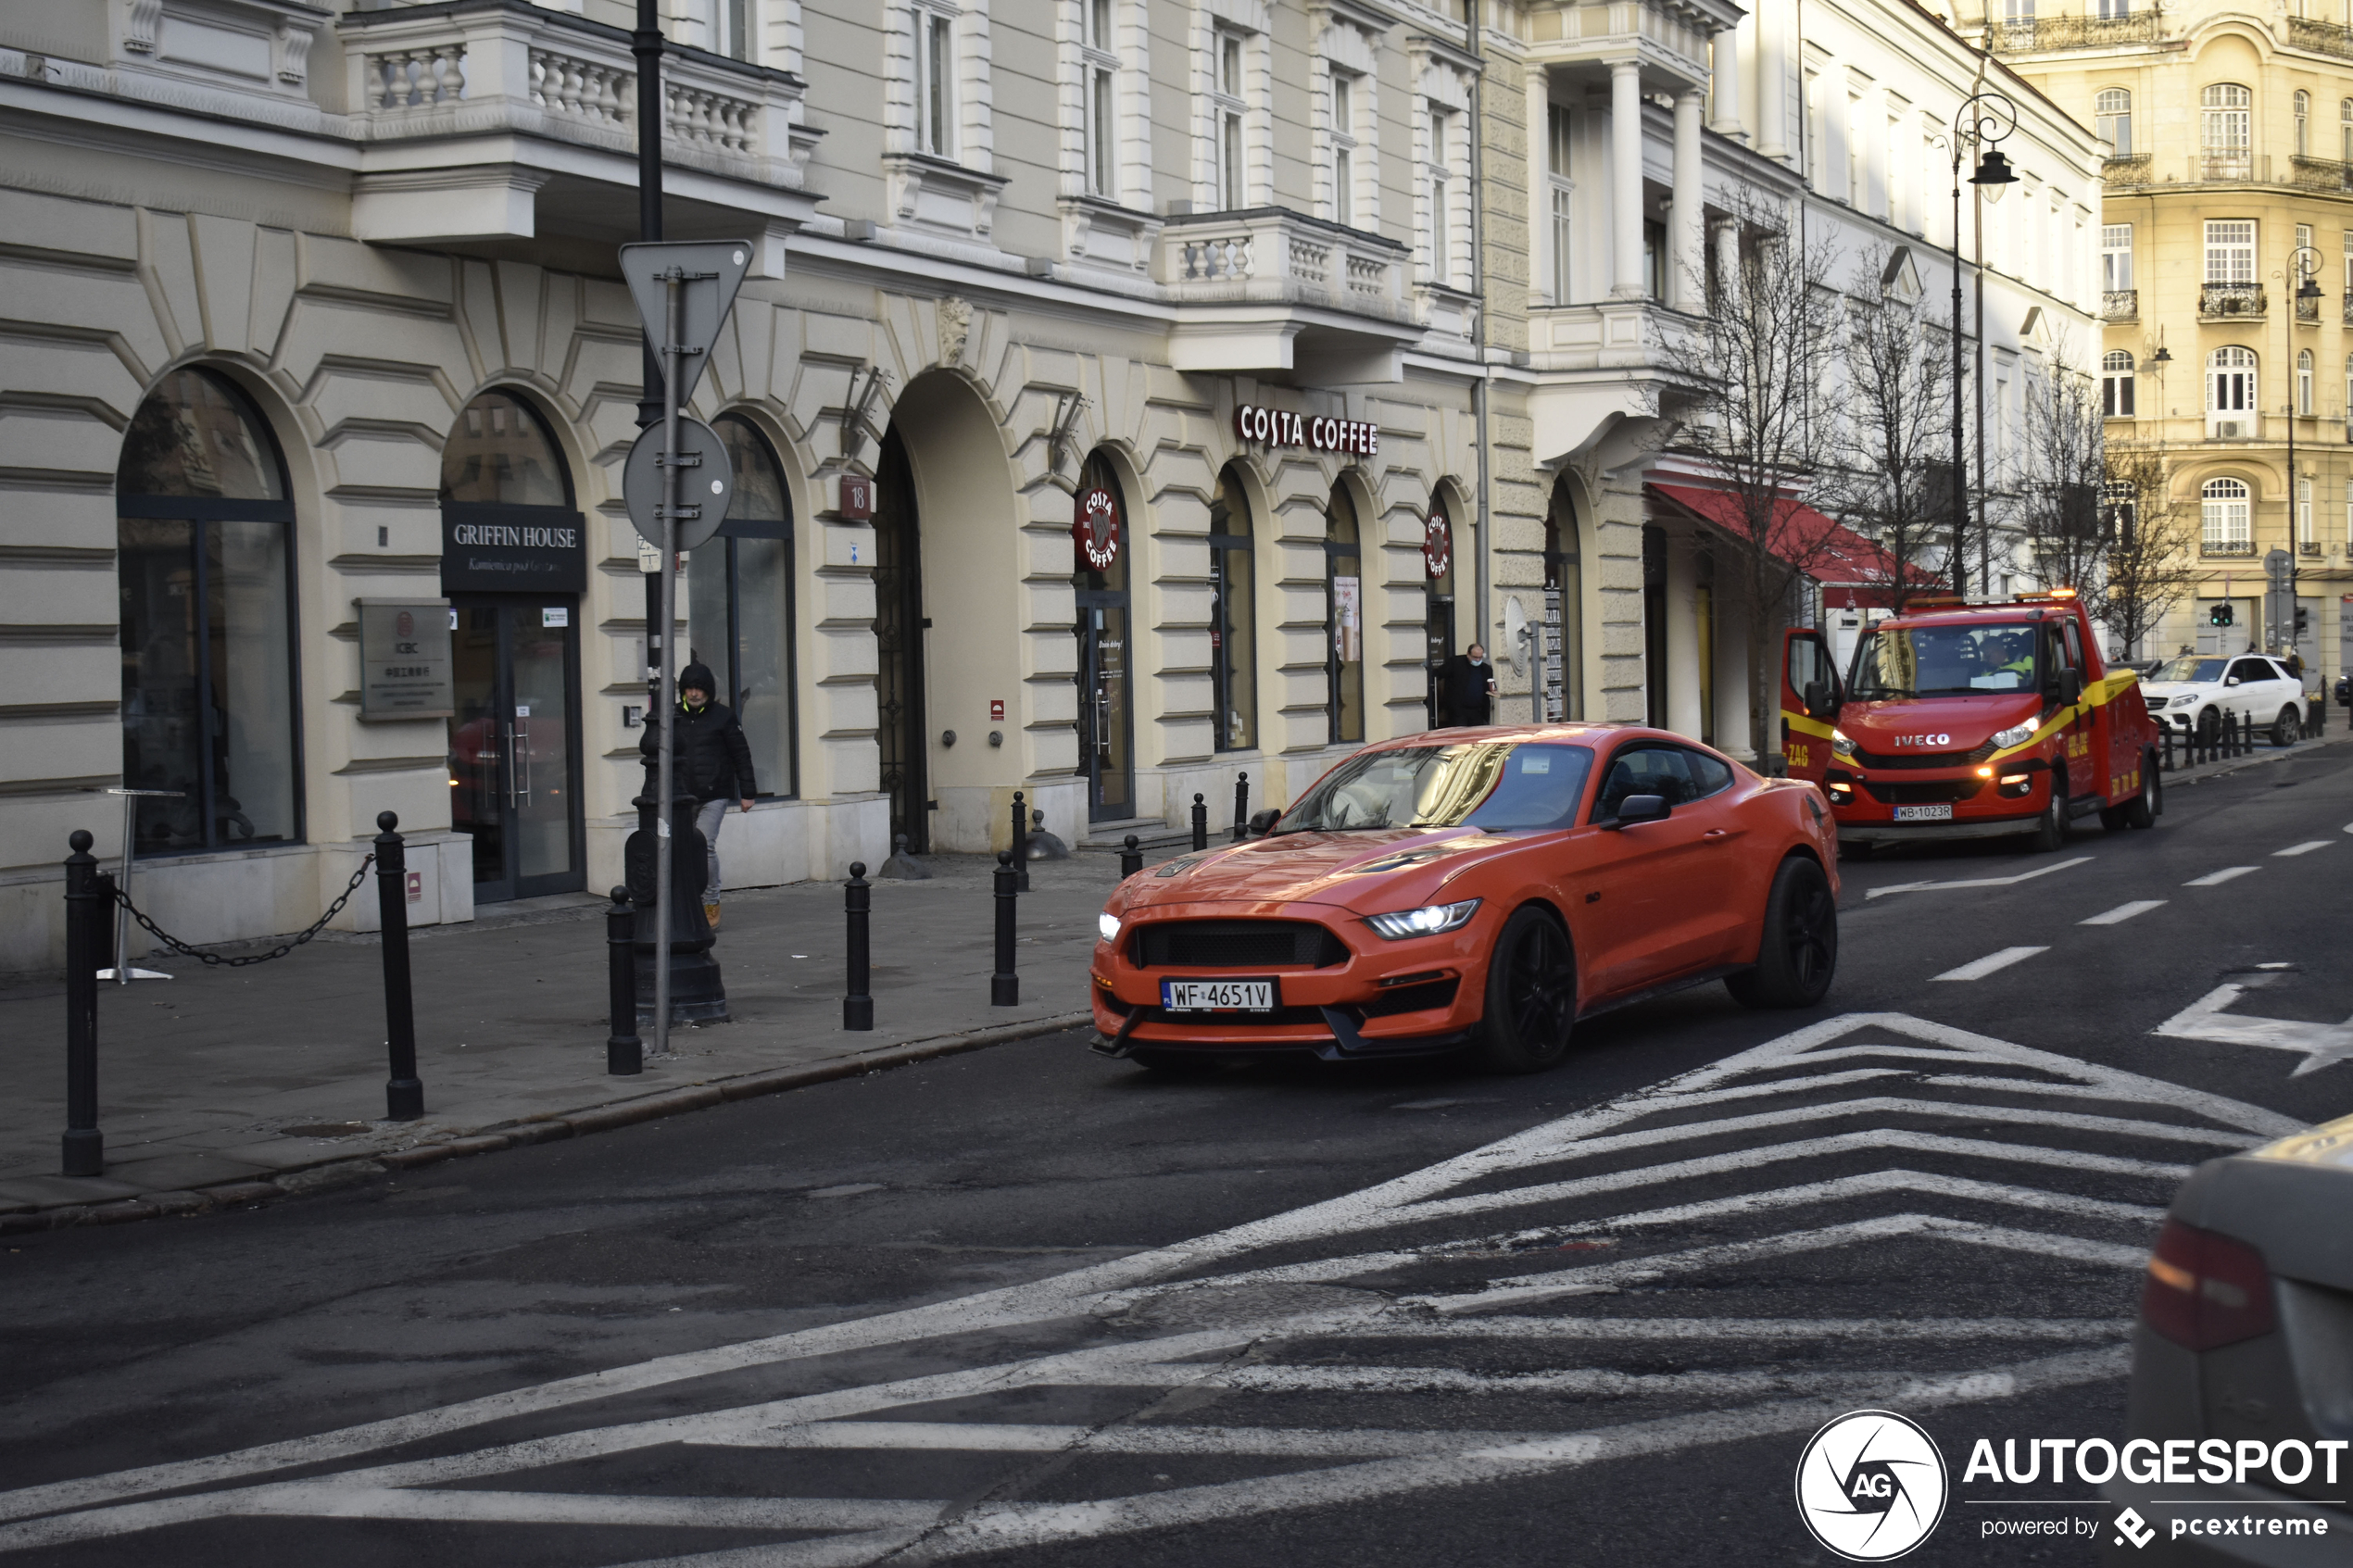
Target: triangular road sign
713,271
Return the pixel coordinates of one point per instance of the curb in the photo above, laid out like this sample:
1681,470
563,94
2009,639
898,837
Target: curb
2228,766
329,1174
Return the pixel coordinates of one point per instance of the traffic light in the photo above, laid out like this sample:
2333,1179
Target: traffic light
2220,615
2303,624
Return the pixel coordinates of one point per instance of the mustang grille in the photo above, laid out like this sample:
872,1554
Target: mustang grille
1236,944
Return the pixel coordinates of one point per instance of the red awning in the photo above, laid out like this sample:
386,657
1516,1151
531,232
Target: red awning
1836,556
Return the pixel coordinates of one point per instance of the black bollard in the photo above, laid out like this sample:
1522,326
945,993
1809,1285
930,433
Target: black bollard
1241,807
1021,843
86,921
404,1096
1131,859
624,1053
1004,986
857,899
1200,824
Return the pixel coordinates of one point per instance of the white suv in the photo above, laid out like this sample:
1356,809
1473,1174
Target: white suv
2197,692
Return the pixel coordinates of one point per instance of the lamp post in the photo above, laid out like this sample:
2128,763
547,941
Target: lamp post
2304,265
1984,119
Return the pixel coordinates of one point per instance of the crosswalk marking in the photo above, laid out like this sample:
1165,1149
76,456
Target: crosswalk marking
1978,969
2304,848
2216,879
2123,912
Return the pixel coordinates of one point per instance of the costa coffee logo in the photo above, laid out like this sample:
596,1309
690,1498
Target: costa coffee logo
1276,427
1924,740
1437,546
1096,528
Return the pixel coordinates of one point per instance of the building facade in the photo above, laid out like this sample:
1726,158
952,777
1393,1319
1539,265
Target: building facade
2229,180
1101,403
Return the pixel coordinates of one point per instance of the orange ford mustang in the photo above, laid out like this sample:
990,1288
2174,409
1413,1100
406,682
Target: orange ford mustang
1476,890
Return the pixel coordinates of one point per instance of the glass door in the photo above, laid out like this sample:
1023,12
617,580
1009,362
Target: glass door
1106,734
514,767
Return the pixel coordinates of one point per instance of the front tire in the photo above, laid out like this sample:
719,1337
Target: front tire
1797,955
2284,728
1531,994
2050,830
2144,809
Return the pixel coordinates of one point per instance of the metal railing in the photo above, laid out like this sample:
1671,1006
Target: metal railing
2223,547
2229,165
2320,173
2218,302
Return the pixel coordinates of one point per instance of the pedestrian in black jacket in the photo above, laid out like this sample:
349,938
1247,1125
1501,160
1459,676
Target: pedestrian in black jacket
1466,687
711,759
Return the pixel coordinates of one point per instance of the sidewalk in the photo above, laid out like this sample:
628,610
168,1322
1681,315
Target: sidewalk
230,1086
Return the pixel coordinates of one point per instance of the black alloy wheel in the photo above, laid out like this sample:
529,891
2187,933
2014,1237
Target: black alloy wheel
1797,956
1531,994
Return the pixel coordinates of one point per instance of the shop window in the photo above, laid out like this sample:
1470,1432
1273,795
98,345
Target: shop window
1343,618
1233,631
739,606
204,559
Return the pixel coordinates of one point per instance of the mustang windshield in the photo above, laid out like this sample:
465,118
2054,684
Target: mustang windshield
2187,668
1497,785
1943,661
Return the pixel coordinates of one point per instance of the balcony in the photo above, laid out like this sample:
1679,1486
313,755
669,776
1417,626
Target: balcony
2230,302
1266,289
2121,304
2075,32
2224,549
2232,167
2325,174
2127,172
2325,38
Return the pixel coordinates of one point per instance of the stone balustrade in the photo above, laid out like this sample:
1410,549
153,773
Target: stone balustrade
1269,255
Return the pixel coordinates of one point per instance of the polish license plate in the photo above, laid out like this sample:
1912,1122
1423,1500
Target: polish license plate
1942,813
1217,996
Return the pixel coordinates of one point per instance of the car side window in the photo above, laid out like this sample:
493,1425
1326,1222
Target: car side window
1708,775
2074,643
2250,670
1646,769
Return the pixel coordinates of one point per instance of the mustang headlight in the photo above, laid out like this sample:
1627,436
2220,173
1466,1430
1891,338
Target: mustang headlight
1107,926
1428,920
1840,741
2016,735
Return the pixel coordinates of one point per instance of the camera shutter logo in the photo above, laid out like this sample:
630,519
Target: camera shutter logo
1872,1485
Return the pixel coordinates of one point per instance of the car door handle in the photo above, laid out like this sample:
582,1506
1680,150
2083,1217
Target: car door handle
1715,833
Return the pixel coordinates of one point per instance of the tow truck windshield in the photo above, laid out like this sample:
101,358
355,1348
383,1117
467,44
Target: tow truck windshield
1908,662
1497,785
2187,668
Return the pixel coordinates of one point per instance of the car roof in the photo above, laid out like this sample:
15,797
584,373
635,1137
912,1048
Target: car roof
1590,731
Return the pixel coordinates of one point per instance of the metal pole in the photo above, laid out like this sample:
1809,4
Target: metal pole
404,1095
1021,843
1131,859
85,1148
666,780
1241,807
857,900
1200,824
646,44
1961,425
624,1053
1984,539
122,912
1004,986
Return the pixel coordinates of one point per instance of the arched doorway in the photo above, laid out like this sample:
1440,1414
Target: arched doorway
1100,546
1437,571
1563,609
514,562
205,572
739,606
1233,627
1343,618
899,644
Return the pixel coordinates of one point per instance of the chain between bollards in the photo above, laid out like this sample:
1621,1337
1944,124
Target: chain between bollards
1131,859
1201,822
1021,843
1241,807
1004,986
87,910
624,1052
404,1095
857,901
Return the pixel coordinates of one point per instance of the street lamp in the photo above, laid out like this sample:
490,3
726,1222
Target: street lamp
2304,265
1984,120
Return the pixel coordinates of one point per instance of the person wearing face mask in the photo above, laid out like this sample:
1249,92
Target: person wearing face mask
1465,689
713,763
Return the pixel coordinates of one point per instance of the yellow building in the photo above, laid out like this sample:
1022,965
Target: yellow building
2232,164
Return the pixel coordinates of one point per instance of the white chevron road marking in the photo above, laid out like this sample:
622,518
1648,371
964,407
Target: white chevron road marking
2323,1045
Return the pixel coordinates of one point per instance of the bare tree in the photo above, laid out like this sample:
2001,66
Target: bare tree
2057,505
2152,547
1754,375
1899,428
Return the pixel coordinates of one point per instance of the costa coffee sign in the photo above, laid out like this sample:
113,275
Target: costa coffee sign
1095,529
1437,546
1276,427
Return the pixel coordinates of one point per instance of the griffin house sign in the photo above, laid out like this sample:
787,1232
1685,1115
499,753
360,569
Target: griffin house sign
1276,427
535,551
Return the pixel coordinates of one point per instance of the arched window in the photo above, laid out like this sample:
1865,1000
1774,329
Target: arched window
2230,384
1100,542
2112,118
2223,518
2303,103
2348,409
1233,631
2116,384
1439,539
2225,132
1563,609
2344,129
205,568
739,606
1343,618
2303,383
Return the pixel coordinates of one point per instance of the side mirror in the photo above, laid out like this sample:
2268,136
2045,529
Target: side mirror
1819,703
1261,822
1635,810
2067,690
2231,682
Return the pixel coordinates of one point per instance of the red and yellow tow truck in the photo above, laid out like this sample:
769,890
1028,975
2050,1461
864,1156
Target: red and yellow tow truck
1961,719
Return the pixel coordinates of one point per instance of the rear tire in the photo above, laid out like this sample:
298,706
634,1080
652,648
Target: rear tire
2050,829
1531,994
2144,809
2284,728
1797,955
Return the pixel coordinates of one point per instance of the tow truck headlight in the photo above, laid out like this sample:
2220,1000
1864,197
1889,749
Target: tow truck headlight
1428,920
1841,743
2016,735
1107,926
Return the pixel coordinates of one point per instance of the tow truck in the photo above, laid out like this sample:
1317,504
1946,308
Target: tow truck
1970,719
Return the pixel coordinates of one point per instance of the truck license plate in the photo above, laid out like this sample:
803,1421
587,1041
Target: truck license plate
1924,813
1217,996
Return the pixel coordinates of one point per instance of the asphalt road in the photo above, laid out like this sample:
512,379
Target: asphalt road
1027,1306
